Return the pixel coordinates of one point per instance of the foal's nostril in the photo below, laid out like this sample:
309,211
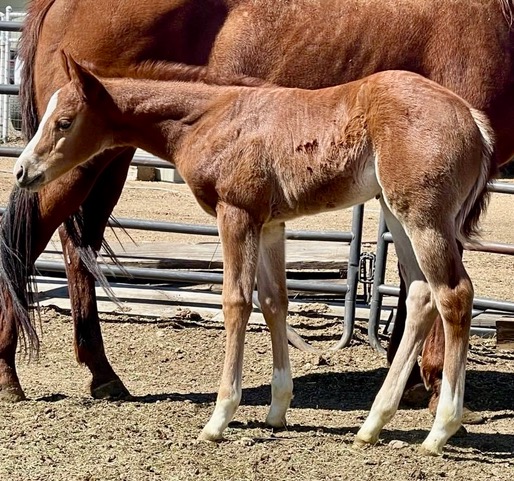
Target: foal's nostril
20,173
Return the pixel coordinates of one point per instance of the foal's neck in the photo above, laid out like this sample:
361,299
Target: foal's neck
154,115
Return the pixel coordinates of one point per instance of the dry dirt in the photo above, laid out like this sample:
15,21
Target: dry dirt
172,368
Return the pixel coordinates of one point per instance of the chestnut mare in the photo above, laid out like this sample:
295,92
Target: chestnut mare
300,43
256,157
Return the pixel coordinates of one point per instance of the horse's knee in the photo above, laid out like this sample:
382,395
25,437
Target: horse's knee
235,309
273,305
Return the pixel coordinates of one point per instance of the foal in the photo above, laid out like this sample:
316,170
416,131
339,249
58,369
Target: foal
256,157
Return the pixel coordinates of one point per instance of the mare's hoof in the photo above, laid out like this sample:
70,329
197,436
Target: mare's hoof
112,391
471,417
12,394
416,396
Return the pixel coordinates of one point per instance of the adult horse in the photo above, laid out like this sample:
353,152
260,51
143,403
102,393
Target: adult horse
466,46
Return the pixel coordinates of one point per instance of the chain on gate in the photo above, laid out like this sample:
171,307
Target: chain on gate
367,274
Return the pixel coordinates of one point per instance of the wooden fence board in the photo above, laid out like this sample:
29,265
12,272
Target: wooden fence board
505,334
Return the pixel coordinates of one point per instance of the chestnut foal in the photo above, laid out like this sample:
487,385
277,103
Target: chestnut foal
256,157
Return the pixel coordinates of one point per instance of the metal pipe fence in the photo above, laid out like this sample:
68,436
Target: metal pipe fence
349,289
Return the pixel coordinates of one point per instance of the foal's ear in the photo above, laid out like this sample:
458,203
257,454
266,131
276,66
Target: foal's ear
86,83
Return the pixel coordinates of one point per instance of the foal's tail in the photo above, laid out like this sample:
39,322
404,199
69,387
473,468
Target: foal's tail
469,215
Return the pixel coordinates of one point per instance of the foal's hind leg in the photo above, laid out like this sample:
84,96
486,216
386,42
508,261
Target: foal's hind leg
415,387
421,312
95,210
449,287
271,284
453,293
240,241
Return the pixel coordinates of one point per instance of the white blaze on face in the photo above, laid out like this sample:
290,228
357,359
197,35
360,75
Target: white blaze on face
27,156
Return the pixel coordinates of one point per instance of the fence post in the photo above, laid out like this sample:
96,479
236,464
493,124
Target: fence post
352,277
376,296
6,58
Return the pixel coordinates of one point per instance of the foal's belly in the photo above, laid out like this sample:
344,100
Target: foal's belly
333,196
281,193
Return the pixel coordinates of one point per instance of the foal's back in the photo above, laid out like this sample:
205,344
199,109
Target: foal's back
308,151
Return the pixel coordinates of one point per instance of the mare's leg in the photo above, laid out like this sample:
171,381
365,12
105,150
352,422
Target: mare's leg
95,212
432,361
421,312
33,218
240,241
10,388
271,285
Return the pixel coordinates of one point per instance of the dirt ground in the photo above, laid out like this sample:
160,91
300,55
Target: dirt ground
172,368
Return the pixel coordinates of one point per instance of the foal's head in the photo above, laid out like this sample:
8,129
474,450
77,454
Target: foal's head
72,130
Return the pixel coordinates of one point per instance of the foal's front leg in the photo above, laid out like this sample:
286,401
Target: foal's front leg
271,285
240,242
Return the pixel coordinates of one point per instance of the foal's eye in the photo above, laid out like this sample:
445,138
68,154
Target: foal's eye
63,124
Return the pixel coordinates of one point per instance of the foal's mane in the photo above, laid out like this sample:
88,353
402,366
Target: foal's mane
172,71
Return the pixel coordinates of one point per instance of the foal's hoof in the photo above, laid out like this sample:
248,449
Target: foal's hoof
361,443
112,390
276,422
471,417
426,450
210,437
12,394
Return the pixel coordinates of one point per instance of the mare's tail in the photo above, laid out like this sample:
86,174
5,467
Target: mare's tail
16,258
469,215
